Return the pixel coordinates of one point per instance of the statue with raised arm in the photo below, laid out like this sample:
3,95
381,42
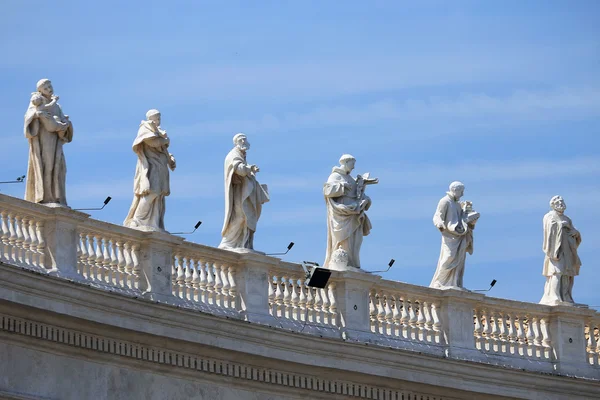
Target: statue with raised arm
561,262
347,221
46,129
456,221
244,198
151,181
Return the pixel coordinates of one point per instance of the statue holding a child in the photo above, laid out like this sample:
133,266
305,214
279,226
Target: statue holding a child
47,129
347,221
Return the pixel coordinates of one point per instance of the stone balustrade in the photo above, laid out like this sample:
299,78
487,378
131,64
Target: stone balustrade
354,306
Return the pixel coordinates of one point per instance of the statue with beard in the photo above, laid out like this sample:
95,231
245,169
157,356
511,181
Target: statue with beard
244,198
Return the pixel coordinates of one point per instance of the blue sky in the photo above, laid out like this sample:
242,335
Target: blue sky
504,96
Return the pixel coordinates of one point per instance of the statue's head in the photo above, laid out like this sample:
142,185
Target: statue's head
457,189
37,99
347,162
154,116
44,86
241,142
557,203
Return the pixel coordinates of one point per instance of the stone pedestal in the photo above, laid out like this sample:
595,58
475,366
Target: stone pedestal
155,262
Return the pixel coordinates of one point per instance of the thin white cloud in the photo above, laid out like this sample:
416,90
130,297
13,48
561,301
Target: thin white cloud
557,104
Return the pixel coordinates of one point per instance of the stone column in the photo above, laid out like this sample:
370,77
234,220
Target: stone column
61,241
456,316
156,258
253,288
353,290
567,335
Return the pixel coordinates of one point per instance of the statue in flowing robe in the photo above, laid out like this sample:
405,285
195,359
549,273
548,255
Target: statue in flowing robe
151,181
47,129
561,262
244,198
347,203
456,222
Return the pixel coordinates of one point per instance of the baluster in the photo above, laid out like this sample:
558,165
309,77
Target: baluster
318,307
135,259
41,247
203,282
218,286
210,282
91,257
127,275
83,255
225,288
310,305
114,262
413,320
380,313
510,346
477,330
502,337
372,311
99,258
421,322
195,265
521,336
287,297
121,265
333,321
295,300
494,332
189,264
389,315
302,302
278,298
12,238
593,332
232,287
106,259
271,295
19,241
437,325
5,253
180,278
33,246
404,319
487,329
546,342
396,327
326,305
537,337
529,337
428,321
26,242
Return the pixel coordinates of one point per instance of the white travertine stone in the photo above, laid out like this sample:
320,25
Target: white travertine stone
244,198
561,262
456,222
347,202
151,181
339,260
47,129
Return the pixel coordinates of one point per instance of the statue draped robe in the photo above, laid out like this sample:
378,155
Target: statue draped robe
457,240
561,262
244,198
47,169
151,181
347,222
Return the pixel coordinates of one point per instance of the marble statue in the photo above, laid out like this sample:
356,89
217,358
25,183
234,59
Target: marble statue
151,181
347,221
456,222
47,129
244,198
561,263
